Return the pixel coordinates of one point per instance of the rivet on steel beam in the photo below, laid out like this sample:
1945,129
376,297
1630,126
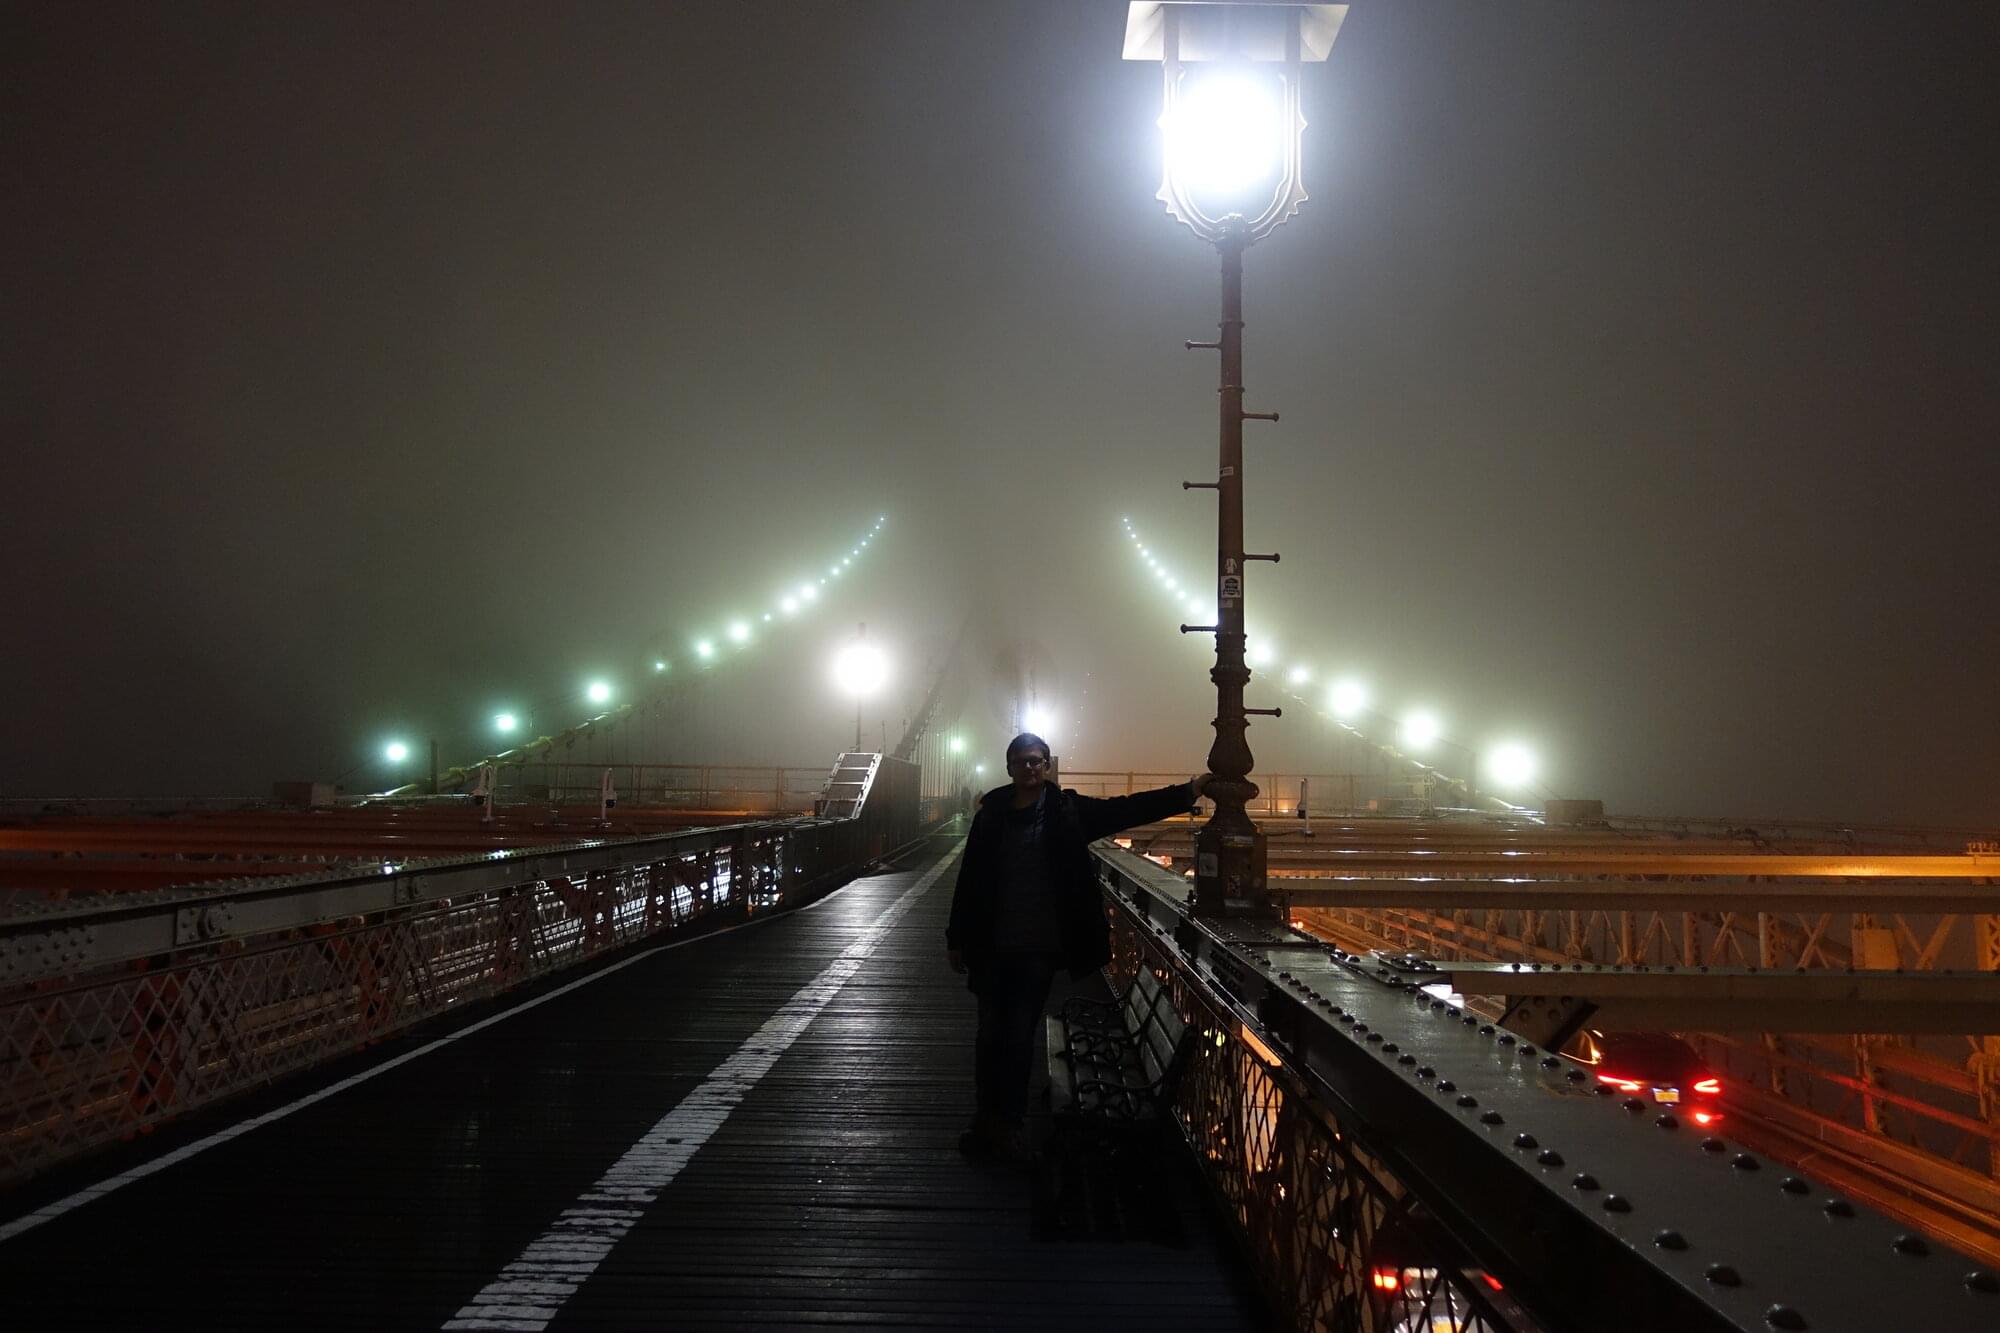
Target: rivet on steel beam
1506,1040
1390,1048
1601,1090
1981,1281
1405,1058
1911,1244
1468,1101
1793,1185
1837,1208
1373,1036
1785,1317
1574,1076
1550,1062
1743,1161
1526,1141
1548,1157
1446,1085
1492,1118
1633,1104
1584,1181
1485,1029
1668,1120
1713,1145
1670,1240
1617,1203
1425,1071
1722,1275
1526,1049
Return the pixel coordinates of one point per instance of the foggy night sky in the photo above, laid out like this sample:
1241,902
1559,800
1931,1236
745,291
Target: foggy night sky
372,367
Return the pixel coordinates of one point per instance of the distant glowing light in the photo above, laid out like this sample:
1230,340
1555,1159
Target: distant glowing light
395,752
597,692
704,649
739,632
979,770
1421,730
659,664
956,744
1261,652
1347,698
1039,719
505,722
1511,765
860,669
809,593
1299,675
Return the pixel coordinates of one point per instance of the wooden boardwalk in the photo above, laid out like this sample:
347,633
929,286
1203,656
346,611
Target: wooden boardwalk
822,1187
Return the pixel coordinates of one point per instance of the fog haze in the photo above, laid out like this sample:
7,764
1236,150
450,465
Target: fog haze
371,369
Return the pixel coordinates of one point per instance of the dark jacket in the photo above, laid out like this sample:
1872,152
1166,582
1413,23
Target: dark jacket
1072,823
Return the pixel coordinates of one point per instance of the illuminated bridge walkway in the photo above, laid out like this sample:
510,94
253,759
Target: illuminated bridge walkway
742,1129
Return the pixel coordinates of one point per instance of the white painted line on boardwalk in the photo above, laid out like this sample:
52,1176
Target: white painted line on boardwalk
50,1212
529,1291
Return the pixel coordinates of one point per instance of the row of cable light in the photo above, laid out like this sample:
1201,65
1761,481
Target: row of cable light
739,632
1509,763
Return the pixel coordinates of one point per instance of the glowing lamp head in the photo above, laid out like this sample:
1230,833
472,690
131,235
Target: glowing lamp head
1511,765
1299,675
809,592
790,606
957,744
860,669
395,752
1347,698
1421,731
505,723
598,692
704,649
1261,652
1039,719
659,664
739,632
1226,137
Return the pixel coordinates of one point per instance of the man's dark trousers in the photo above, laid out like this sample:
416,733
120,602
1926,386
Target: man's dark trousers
1013,988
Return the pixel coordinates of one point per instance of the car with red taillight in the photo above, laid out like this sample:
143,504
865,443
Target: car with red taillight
1657,1066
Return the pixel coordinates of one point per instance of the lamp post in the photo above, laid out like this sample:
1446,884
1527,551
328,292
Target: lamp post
1233,129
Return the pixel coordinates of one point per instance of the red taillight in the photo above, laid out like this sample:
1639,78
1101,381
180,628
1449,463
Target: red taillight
1708,1085
1388,1279
1491,1281
1706,1117
1618,1081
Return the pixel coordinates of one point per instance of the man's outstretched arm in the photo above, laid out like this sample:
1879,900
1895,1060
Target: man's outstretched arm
1103,816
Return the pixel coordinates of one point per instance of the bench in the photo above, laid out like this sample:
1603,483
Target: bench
1114,1064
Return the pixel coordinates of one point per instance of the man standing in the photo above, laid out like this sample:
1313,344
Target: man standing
1027,903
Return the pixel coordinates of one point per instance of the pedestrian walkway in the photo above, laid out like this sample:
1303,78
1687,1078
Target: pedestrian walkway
753,1129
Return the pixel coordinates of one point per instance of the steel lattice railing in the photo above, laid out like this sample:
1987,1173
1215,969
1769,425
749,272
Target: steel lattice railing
1340,1246
105,1053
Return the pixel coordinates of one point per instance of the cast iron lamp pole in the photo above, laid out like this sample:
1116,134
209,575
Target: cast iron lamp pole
1240,39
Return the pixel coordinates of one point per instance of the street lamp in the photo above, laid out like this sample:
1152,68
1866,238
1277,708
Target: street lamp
860,670
1232,134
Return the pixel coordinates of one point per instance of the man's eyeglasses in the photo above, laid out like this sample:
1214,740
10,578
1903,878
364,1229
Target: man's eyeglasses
1030,760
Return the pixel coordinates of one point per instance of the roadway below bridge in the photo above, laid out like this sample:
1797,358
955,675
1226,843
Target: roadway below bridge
1729,918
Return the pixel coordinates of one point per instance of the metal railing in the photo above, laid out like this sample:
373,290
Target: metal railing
121,1012
1362,1134
786,790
